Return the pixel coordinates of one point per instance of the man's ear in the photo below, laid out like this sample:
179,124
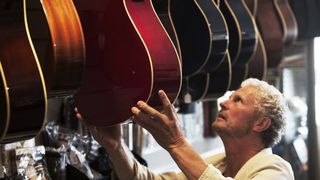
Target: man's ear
262,124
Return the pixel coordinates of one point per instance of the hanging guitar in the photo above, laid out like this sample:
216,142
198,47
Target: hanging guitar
288,21
213,84
57,34
271,31
138,60
23,92
257,67
243,38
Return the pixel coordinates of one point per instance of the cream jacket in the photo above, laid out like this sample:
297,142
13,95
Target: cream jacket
262,166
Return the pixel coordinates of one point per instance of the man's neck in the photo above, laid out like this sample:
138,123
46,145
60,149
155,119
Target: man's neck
238,153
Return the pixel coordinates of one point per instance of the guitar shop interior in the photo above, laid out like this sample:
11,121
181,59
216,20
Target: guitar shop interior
63,58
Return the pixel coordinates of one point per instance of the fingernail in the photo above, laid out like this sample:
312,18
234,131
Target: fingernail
139,103
160,92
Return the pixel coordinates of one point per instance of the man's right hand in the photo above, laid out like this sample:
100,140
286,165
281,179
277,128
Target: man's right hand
108,137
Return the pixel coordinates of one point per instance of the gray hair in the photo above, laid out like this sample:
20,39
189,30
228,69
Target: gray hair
269,103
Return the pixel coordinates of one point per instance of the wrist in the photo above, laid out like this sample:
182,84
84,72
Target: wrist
113,147
178,145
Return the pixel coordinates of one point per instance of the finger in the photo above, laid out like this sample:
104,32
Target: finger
82,120
148,110
166,104
143,119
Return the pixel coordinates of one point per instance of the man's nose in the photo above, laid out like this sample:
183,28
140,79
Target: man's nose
224,104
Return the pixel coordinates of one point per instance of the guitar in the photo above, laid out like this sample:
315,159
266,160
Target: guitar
307,16
212,85
288,21
138,60
219,81
57,34
241,27
193,34
243,38
271,31
257,67
23,90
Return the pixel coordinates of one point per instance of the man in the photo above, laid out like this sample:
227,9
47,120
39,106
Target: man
249,123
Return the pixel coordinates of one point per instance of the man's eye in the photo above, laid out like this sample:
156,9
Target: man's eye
237,99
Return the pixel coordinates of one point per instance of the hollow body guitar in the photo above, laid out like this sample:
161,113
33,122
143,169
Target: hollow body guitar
271,31
257,67
138,60
56,31
23,92
288,21
213,84
243,38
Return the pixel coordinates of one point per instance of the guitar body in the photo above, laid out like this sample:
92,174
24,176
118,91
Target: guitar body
138,60
64,75
219,80
211,86
163,11
58,39
247,30
288,21
193,34
5,105
239,74
219,34
233,25
22,88
242,28
214,82
257,67
271,31
307,15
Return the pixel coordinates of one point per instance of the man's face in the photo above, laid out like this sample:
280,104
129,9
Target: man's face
237,114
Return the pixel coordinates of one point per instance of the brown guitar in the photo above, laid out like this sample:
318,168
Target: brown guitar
138,60
271,31
257,67
288,21
23,92
57,34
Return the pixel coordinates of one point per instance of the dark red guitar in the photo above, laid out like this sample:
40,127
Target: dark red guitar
138,60
23,93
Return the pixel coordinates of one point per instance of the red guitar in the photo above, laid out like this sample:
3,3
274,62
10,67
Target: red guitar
139,59
23,93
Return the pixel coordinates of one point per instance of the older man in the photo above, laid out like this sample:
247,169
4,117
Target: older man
249,123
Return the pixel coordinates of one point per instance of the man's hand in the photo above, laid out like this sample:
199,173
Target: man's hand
108,137
164,126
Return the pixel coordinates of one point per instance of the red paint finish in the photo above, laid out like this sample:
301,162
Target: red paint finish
135,64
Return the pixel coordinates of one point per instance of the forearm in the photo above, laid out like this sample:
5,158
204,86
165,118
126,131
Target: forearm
190,163
122,161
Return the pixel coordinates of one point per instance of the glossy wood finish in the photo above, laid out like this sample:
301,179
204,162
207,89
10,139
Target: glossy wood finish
219,80
64,71
288,21
271,31
247,30
138,60
22,77
257,67
193,34
219,34
5,105
307,15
